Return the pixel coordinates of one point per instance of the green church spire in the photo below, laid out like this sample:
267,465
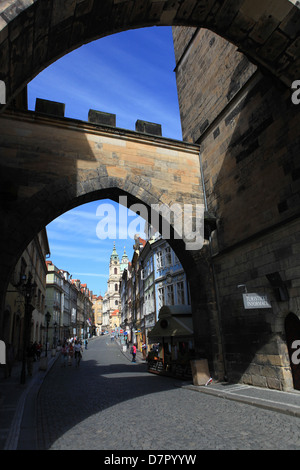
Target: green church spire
124,261
114,256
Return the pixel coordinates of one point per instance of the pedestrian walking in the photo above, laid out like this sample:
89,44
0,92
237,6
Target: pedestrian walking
64,354
133,352
71,353
78,351
86,344
144,350
39,350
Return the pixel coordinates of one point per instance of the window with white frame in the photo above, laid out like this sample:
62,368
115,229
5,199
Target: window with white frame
168,256
161,300
180,293
148,268
170,295
159,260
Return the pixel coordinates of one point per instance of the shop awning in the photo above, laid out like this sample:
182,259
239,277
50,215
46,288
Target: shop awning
179,325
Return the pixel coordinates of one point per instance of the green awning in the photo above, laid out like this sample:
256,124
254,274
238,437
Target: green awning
169,326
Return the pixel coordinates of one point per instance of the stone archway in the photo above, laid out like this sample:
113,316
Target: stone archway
33,34
58,164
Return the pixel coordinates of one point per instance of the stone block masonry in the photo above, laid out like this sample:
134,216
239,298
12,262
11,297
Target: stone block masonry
148,127
51,164
34,33
256,348
99,117
51,108
248,132
240,116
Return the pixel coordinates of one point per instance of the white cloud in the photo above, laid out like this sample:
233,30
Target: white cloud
105,276
123,80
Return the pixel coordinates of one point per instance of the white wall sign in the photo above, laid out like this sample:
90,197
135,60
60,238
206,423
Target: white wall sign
256,301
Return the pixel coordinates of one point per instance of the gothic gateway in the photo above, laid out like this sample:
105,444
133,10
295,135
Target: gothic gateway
235,66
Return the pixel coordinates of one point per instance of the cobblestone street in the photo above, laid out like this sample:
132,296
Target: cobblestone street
111,403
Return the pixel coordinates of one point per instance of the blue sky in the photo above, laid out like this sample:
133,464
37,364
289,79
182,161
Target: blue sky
76,245
129,74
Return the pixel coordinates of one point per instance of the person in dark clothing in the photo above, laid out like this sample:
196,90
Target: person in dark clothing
30,357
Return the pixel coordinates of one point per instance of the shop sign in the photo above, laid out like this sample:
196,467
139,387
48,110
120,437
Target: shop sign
256,301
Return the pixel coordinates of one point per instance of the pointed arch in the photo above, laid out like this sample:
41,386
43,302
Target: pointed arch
35,33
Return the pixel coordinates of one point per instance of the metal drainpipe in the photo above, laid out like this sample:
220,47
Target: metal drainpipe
214,275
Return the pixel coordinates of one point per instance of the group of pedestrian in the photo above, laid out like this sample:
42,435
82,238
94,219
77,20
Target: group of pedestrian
134,349
34,350
70,350
33,354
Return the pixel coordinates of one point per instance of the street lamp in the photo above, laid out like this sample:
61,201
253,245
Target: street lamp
48,317
55,337
27,289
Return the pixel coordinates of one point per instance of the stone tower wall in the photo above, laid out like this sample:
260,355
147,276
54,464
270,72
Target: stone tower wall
248,131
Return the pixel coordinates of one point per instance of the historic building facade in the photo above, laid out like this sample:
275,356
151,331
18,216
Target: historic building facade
69,303
112,297
154,278
98,313
28,281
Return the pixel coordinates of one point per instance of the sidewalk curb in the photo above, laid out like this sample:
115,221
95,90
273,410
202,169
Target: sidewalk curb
289,409
269,403
14,432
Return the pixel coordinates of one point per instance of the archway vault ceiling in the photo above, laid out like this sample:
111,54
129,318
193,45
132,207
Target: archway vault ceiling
34,33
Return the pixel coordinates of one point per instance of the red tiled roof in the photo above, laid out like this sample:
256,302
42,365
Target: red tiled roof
142,241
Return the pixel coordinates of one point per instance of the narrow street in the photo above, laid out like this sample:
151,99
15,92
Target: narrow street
109,403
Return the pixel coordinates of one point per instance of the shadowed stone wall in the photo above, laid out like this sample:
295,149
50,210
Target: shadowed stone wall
34,33
248,131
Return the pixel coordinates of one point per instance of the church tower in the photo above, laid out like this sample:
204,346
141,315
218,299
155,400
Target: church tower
114,263
112,298
124,263
114,280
